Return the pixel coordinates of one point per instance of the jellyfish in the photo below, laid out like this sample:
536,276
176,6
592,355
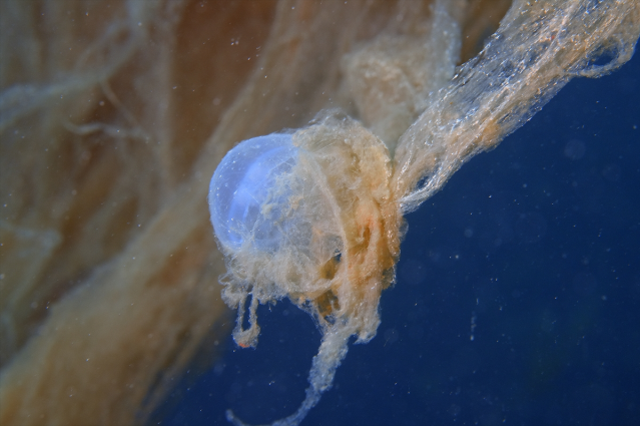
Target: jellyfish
315,214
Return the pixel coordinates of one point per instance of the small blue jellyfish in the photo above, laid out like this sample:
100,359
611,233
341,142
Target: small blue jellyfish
245,202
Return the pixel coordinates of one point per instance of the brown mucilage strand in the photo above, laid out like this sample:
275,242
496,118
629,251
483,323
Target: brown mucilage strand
316,214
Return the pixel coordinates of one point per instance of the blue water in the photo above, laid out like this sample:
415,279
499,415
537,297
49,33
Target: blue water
531,249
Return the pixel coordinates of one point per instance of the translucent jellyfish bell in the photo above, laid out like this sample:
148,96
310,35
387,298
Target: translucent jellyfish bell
244,201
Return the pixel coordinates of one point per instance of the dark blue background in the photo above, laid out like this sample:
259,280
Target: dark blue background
536,243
